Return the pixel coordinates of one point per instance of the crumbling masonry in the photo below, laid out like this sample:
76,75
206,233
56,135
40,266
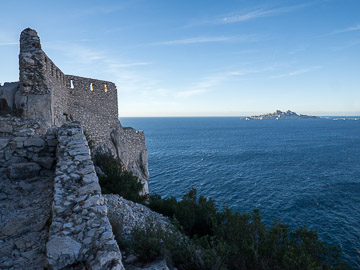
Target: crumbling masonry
52,212
45,92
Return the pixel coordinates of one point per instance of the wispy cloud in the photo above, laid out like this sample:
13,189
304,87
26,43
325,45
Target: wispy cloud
246,15
194,40
103,9
349,29
189,93
130,64
258,13
296,72
207,83
8,43
82,60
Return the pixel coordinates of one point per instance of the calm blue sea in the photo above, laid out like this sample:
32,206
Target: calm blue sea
301,172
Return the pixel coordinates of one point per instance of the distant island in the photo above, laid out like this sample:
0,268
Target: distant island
279,115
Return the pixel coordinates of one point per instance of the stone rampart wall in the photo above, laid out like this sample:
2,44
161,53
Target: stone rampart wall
80,233
56,81
47,93
94,104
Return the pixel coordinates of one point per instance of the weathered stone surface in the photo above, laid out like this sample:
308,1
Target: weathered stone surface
4,142
44,97
6,129
38,142
79,210
62,251
125,215
129,146
45,92
23,170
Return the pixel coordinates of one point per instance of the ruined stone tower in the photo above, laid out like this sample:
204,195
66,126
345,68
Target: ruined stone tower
45,92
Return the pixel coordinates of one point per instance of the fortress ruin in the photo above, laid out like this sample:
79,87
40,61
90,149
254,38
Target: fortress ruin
45,92
52,212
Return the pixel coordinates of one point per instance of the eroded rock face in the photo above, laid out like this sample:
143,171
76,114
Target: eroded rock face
129,146
126,215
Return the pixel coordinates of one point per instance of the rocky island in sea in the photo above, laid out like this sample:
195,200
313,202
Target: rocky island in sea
279,115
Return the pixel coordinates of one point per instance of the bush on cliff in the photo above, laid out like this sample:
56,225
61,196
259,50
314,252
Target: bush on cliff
230,240
116,180
216,240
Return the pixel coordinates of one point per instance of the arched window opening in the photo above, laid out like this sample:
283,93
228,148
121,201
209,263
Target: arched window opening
71,84
91,87
105,88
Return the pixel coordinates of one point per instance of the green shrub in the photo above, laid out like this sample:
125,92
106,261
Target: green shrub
230,240
181,251
197,216
147,242
116,180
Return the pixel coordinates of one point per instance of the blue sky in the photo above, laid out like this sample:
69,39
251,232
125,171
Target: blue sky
200,58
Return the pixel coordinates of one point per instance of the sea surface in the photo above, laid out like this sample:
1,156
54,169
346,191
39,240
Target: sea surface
300,172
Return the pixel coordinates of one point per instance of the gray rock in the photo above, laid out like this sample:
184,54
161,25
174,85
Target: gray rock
89,189
6,129
131,259
15,226
23,170
46,162
62,251
38,142
3,142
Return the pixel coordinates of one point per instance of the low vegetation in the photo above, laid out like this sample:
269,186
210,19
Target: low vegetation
217,240
115,179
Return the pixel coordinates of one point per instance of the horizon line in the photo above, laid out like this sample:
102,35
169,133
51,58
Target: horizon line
222,116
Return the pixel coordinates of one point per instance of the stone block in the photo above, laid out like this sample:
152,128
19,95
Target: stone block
46,162
38,142
63,251
4,142
89,189
52,142
6,129
23,170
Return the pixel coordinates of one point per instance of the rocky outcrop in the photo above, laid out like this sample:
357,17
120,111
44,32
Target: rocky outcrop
125,216
80,232
128,145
